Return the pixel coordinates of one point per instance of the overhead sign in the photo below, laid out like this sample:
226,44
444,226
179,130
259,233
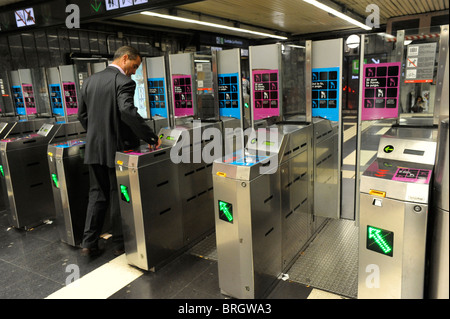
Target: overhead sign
25,17
116,4
420,63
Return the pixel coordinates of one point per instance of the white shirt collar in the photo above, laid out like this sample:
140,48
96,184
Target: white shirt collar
118,67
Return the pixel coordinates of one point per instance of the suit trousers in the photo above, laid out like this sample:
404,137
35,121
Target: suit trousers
103,194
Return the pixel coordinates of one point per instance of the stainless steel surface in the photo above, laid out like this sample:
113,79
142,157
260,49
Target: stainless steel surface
394,198
439,263
271,212
439,259
26,179
328,136
402,275
327,177
440,105
70,186
170,206
441,173
415,145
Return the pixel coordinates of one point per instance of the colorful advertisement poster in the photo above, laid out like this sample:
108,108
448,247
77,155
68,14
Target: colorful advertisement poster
182,95
325,93
157,97
266,100
70,96
381,91
229,104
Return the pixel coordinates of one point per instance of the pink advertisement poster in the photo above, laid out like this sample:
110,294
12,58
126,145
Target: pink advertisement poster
381,91
28,99
265,94
182,95
70,95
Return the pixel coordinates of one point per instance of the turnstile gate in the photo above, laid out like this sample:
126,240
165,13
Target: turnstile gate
394,205
70,187
262,210
25,176
166,199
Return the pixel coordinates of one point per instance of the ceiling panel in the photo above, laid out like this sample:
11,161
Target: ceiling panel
292,16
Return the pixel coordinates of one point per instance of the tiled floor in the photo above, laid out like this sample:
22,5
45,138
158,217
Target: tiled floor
35,264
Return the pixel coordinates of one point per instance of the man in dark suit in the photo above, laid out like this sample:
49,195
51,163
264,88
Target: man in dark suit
112,122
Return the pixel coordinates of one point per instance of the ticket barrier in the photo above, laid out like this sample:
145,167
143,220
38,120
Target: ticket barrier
261,209
166,199
70,186
25,173
394,206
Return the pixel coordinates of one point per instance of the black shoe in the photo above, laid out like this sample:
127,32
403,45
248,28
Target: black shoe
90,252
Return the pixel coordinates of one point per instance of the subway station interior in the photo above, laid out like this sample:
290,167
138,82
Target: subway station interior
304,150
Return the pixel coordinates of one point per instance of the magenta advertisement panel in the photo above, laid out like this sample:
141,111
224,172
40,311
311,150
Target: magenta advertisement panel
182,95
380,91
266,100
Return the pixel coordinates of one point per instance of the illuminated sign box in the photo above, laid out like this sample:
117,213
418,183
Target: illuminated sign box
225,211
116,4
25,17
380,240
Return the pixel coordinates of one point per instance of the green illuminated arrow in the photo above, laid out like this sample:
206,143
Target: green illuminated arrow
55,180
388,149
124,191
375,234
97,6
224,209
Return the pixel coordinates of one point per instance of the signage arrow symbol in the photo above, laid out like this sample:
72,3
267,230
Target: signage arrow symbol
97,6
375,234
224,209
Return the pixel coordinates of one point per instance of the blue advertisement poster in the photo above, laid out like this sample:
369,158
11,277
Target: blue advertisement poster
325,93
157,96
229,104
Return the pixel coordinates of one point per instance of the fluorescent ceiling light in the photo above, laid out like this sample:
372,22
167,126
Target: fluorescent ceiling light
296,46
213,25
338,14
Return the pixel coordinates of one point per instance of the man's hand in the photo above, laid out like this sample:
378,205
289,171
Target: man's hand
155,146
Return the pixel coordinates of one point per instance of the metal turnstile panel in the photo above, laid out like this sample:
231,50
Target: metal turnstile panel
152,219
326,170
382,275
70,185
295,213
249,246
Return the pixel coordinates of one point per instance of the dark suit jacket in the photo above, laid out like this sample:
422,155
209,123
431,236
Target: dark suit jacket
107,112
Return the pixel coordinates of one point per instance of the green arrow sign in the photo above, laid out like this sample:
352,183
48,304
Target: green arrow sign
55,180
388,148
380,240
124,192
225,211
96,7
